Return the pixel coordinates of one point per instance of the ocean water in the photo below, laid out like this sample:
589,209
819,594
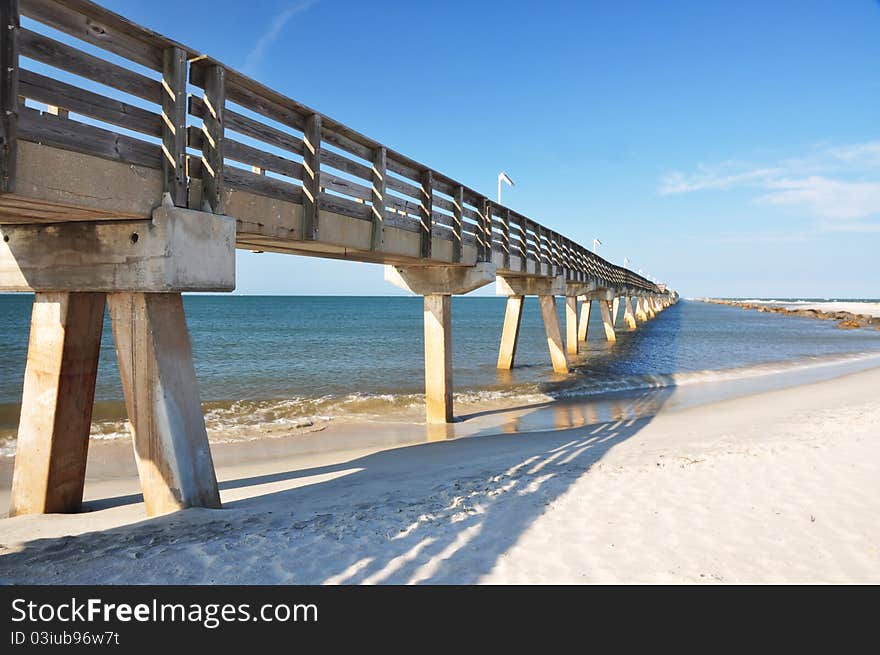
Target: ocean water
272,363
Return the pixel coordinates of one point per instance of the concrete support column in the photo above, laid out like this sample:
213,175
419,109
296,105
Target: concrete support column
571,325
641,314
56,408
161,396
615,308
584,325
628,318
605,307
510,332
554,337
438,358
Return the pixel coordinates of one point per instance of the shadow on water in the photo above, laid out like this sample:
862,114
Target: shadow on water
443,511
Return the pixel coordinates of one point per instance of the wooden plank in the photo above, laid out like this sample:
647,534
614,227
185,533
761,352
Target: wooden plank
174,125
261,185
377,200
161,395
426,213
345,187
241,152
54,92
344,206
337,161
236,122
56,408
213,152
457,234
88,139
94,24
10,26
60,55
338,139
311,176
404,187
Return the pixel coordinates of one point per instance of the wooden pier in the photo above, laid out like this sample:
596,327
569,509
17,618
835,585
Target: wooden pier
133,197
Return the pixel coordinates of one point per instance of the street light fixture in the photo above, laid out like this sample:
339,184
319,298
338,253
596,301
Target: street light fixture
596,244
503,177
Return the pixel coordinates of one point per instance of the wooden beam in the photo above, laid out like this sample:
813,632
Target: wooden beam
56,408
213,131
554,337
161,395
311,176
510,332
571,325
486,228
457,218
377,200
174,125
426,205
438,358
505,238
10,26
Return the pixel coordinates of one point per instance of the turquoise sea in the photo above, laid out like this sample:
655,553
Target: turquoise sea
276,361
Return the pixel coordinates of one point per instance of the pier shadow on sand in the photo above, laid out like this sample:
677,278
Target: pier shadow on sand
437,512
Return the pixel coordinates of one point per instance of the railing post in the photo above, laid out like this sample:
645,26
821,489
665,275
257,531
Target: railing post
10,25
426,206
174,125
505,238
457,235
377,198
212,141
523,244
311,176
486,229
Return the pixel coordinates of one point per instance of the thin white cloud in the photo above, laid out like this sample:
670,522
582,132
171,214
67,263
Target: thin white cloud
273,31
839,185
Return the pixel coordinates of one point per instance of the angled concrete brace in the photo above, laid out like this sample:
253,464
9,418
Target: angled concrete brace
142,266
437,284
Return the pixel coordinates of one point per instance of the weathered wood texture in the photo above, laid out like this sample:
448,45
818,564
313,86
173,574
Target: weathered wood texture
161,396
56,408
311,176
455,213
213,140
174,125
9,73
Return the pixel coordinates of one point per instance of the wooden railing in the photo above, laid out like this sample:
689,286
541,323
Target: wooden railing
240,134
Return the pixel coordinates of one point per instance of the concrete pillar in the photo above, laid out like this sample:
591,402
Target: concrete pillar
615,308
510,332
56,407
161,395
438,358
605,307
584,325
649,307
554,337
628,318
641,314
571,325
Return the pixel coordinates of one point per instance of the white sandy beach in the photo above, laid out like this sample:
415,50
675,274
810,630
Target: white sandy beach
778,487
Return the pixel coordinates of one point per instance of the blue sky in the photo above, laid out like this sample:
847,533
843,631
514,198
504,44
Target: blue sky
729,148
